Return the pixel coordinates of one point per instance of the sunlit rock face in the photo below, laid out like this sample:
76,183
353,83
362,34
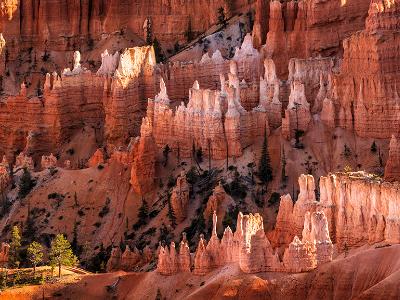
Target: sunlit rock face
212,120
359,208
367,97
250,248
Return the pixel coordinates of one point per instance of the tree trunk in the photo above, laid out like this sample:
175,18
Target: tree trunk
59,270
34,271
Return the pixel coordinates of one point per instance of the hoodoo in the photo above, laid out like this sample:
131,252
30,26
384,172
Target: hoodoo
245,149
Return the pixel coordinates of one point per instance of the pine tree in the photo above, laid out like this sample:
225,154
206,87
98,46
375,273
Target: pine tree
166,152
15,246
26,184
158,51
221,16
143,213
189,32
74,243
158,296
149,32
61,253
35,255
283,174
171,214
373,147
265,169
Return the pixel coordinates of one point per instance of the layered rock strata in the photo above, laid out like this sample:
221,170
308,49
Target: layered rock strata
392,168
359,208
112,106
304,29
214,121
251,250
367,97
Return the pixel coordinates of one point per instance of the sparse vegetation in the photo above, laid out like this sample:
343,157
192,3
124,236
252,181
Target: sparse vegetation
374,148
264,168
346,151
61,253
106,208
35,255
15,246
221,17
26,184
143,215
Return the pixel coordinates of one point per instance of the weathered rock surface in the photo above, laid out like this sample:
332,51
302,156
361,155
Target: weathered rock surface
214,121
392,168
96,159
128,260
367,96
49,161
144,153
250,249
180,198
5,248
170,262
360,209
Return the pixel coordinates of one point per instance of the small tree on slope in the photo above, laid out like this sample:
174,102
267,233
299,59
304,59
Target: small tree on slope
61,253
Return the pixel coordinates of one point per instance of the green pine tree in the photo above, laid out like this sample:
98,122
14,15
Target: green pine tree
158,51
143,213
283,174
15,246
61,253
265,169
26,184
189,34
166,152
171,214
221,16
374,148
35,255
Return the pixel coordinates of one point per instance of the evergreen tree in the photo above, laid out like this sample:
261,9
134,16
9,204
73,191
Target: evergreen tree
374,148
143,213
158,51
149,32
61,253
283,174
35,255
221,16
15,246
158,296
74,243
171,214
26,184
189,32
265,169
166,152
